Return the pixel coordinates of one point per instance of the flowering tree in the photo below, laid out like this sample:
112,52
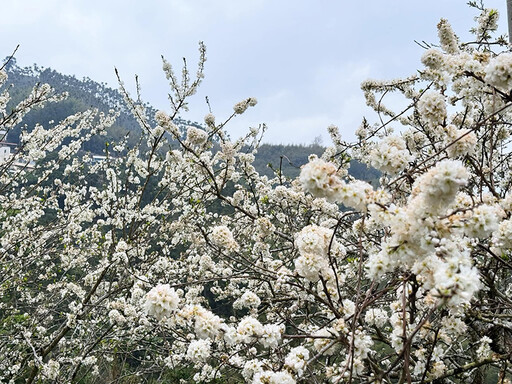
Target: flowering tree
223,274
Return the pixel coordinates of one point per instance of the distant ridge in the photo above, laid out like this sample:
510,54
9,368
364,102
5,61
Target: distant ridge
87,93
83,94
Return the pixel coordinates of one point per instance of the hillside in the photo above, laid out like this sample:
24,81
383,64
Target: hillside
86,93
83,94
290,158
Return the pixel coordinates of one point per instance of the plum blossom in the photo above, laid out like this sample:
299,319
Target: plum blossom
223,237
249,329
447,37
440,184
161,301
196,136
320,178
390,155
432,108
459,142
498,72
296,359
199,350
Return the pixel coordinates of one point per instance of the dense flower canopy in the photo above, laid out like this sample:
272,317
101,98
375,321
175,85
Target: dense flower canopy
178,257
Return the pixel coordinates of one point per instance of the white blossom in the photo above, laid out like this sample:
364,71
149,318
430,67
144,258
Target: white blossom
498,72
391,155
199,350
432,108
161,301
296,359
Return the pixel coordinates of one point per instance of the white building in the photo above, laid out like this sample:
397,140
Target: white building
5,147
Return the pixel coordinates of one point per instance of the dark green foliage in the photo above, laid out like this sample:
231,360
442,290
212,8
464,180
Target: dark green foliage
362,172
285,158
289,158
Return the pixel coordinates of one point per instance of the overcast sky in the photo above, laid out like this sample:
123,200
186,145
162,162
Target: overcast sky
303,60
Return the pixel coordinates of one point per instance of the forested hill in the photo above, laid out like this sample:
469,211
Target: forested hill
83,94
289,158
87,93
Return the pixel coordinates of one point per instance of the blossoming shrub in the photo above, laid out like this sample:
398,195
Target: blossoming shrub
319,279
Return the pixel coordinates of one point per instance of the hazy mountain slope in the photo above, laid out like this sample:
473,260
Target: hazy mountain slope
87,93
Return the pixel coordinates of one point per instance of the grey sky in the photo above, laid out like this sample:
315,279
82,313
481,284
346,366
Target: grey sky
303,60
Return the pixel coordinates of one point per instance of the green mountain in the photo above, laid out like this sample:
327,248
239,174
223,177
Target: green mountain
87,93
83,94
